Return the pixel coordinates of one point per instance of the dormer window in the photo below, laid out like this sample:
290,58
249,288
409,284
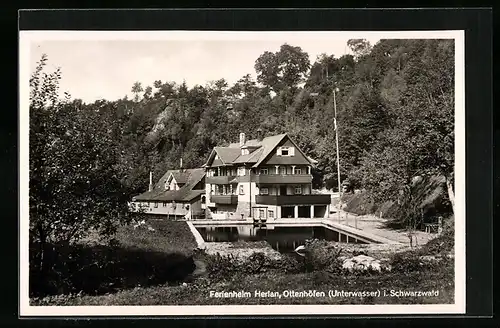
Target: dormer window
245,151
286,151
216,156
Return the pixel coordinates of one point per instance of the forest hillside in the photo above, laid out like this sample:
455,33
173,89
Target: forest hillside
395,104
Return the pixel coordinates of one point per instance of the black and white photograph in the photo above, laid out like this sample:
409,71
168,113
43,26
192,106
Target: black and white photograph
193,172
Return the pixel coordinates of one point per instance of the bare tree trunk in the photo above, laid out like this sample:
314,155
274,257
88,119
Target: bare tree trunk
451,194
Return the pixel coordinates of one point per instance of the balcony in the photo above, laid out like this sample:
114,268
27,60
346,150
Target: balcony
224,199
282,178
293,199
224,179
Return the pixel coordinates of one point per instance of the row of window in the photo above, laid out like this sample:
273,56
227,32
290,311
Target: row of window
270,213
262,191
265,191
164,204
282,170
242,172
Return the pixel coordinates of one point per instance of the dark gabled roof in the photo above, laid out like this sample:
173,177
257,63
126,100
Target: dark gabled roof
268,145
181,177
262,148
252,157
163,179
232,153
227,154
184,194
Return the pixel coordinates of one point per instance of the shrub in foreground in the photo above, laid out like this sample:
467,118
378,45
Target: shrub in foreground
322,255
222,267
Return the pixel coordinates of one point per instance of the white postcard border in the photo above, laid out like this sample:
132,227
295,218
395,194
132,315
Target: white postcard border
25,309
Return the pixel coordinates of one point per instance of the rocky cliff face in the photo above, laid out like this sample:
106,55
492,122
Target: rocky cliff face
161,123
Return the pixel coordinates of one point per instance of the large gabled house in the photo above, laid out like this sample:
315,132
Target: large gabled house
178,194
266,178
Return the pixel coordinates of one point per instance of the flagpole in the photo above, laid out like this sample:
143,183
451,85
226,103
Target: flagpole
337,144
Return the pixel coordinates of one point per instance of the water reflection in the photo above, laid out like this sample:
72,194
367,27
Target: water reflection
283,239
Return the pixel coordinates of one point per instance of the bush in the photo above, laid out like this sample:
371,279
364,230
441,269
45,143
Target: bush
257,262
413,261
442,244
291,263
222,267
406,262
322,255
319,257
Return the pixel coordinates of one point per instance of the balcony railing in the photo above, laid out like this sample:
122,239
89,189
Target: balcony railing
224,179
224,199
312,199
282,178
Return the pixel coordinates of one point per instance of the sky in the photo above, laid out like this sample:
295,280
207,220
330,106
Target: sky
107,68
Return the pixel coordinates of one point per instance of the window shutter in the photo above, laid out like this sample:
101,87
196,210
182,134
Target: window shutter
292,151
279,151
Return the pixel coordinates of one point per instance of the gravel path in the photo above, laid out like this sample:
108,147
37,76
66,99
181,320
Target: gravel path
376,226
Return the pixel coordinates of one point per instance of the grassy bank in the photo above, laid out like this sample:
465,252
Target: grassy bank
167,237
320,271
134,257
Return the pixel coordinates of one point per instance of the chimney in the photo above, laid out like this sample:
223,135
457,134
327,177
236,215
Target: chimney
181,163
259,134
150,181
242,139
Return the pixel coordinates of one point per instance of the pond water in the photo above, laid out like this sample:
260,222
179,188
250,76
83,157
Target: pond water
282,239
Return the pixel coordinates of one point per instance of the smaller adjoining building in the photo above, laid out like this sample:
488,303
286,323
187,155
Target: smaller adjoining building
178,194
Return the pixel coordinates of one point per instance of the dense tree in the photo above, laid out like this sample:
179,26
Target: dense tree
359,47
77,177
244,87
136,90
148,92
283,69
